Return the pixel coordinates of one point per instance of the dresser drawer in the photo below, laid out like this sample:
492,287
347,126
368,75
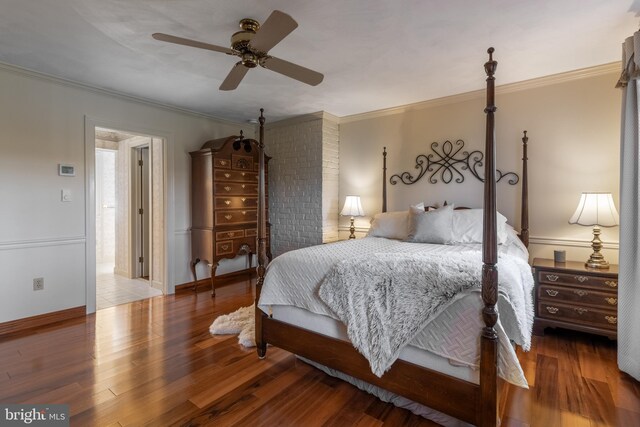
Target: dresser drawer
222,175
552,277
231,248
231,234
549,293
236,202
577,314
236,216
240,162
234,188
222,163
224,247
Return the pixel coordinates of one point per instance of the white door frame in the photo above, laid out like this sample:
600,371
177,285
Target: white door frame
90,124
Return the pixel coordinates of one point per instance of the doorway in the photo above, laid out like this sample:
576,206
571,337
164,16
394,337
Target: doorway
129,176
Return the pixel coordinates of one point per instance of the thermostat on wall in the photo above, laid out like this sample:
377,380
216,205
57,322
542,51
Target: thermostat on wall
66,170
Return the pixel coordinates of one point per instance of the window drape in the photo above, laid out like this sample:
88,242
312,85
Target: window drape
629,276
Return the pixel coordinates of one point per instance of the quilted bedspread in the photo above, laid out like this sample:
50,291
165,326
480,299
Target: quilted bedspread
294,278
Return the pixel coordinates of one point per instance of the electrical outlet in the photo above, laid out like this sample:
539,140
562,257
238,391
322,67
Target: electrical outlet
38,283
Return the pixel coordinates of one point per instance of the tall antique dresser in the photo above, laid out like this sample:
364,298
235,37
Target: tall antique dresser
224,201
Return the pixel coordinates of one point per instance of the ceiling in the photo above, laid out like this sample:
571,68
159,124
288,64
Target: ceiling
374,54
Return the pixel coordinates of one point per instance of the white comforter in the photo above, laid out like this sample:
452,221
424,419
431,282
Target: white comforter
293,279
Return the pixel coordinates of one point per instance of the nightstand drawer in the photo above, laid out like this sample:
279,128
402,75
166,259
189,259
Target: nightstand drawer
577,314
554,277
550,293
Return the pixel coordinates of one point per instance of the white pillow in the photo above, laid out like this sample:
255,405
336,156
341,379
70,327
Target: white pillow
434,226
392,225
467,226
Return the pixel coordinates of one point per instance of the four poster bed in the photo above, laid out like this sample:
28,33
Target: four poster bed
461,383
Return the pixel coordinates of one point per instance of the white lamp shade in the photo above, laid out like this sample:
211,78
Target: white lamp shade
596,209
352,207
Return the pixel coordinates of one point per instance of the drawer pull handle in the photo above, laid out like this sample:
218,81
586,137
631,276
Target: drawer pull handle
552,277
243,199
580,310
580,292
227,188
611,301
223,162
552,310
243,174
582,279
244,212
224,247
228,217
552,293
243,186
612,319
227,175
611,284
230,234
227,202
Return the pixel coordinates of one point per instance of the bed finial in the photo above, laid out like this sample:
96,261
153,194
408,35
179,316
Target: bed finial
490,66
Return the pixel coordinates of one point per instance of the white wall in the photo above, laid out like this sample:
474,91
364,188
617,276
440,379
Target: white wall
573,123
42,125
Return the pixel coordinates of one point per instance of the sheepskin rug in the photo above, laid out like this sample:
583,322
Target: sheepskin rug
241,322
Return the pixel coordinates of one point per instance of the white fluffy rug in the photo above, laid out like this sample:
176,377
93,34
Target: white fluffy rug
242,322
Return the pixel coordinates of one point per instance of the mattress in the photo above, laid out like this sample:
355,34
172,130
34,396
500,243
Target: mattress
449,344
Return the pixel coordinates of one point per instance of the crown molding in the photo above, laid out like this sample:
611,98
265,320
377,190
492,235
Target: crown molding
552,79
108,92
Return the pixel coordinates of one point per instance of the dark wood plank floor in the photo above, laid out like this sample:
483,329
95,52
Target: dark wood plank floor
154,363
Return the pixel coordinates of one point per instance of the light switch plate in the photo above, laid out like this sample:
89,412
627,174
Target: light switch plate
66,195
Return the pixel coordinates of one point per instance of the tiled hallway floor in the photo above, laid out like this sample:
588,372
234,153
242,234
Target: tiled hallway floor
112,289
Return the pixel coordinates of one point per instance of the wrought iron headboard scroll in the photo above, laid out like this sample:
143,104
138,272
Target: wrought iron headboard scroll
447,162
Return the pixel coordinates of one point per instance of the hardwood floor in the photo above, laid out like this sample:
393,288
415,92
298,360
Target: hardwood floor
154,362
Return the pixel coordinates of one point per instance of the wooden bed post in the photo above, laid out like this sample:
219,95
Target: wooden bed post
384,179
488,402
524,212
261,344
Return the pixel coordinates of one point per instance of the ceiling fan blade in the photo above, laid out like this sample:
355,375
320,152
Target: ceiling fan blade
193,43
277,26
294,71
234,77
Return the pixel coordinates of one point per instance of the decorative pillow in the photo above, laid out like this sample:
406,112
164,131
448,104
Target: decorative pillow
434,226
392,225
467,226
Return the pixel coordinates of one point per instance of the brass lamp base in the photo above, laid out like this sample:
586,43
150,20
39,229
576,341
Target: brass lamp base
352,229
596,260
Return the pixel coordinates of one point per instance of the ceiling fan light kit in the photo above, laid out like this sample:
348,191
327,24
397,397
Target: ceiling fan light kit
252,45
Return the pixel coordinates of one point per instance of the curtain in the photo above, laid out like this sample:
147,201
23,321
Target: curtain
629,277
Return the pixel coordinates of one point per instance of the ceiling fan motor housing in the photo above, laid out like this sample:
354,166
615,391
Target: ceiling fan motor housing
240,42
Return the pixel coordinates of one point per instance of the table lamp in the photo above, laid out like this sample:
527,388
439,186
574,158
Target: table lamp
352,207
597,210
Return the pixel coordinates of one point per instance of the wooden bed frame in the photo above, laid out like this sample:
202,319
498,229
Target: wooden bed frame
474,403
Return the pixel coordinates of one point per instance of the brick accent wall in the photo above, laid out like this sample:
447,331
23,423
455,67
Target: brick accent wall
303,181
330,178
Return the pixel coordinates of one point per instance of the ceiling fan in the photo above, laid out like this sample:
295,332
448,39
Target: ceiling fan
252,44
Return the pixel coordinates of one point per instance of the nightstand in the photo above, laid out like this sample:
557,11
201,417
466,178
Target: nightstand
572,296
